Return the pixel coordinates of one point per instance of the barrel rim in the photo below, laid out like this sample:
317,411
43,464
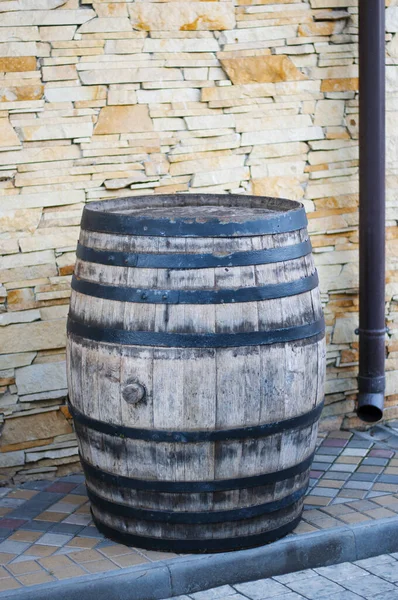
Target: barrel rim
107,216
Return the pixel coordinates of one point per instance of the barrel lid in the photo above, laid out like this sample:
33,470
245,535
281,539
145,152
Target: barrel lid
191,215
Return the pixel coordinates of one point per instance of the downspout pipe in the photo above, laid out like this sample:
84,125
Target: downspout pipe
372,330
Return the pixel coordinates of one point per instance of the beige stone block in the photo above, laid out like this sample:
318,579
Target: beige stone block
167,96
75,93
57,34
106,25
329,112
11,361
110,9
326,188
212,178
124,46
278,187
21,93
392,47
171,124
28,34
118,97
212,122
20,220
41,378
8,246
196,74
180,45
46,17
178,16
20,274
392,19
258,34
49,313
51,454
8,137
273,136
39,154
336,385
223,142
245,123
12,459
209,163
25,316
340,85
123,119
10,5
259,90
60,73
321,28
261,69
28,428
27,337
66,129
17,63
127,75
57,237
321,157
157,165
344,330
123,182
333,3
56,198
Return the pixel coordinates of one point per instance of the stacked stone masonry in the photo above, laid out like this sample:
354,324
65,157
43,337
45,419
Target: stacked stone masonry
106,99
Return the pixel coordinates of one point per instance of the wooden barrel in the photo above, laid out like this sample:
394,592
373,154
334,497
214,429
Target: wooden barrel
196,367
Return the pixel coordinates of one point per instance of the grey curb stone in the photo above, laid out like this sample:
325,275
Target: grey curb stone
179,576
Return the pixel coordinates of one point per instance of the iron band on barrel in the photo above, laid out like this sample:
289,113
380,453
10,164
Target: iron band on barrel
201,296
193,261
196,545
195,518
191,437
123,224
196,340
193,487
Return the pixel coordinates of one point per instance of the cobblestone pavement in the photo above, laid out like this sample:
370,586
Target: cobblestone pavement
46,531
373,578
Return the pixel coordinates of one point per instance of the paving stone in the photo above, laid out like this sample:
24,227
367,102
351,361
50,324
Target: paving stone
214,593
329,451
375,560
355,452
358,485
363,477
38,525
259,590
11,502
66,528
393,595
36,505
340,573
387,570
315,588
377,462
54,539
327,492
295,576
369,586
12,547
36,485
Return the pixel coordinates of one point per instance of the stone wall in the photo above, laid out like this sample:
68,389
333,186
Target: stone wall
102,99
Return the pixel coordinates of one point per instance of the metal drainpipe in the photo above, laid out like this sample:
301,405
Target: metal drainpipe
371,379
